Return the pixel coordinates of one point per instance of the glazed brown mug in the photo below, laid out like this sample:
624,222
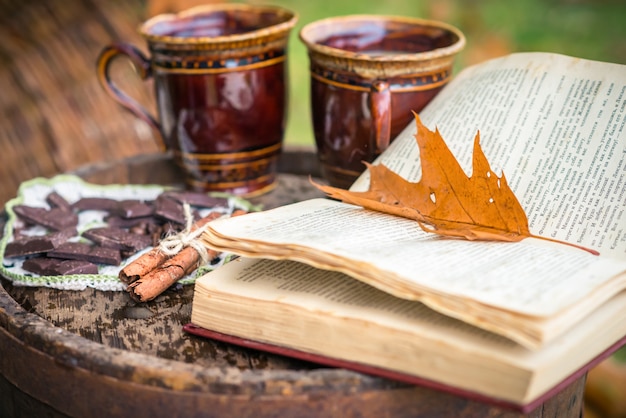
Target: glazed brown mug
368,74
221,87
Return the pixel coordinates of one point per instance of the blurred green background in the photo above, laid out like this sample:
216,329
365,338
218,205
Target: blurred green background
583,28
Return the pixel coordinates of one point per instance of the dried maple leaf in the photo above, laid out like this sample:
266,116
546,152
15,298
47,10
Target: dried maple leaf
446,201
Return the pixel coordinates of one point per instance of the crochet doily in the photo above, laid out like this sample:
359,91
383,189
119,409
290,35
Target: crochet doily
72,188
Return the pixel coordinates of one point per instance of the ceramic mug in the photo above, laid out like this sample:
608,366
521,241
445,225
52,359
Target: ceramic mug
221,87
368,74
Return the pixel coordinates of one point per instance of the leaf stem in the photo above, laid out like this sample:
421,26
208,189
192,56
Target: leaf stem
580,247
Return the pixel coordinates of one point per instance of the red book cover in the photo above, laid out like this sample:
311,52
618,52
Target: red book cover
391,374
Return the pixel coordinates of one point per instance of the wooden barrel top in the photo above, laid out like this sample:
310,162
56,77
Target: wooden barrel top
92,353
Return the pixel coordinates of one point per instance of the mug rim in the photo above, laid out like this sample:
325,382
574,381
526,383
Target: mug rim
313,45
288,24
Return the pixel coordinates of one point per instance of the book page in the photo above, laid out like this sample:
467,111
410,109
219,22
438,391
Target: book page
393,253
556,127
290,304
325,291
320,311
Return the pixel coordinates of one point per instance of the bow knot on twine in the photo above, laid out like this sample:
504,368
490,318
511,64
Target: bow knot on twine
188,237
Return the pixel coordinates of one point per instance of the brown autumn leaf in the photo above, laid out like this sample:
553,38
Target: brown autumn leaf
446,201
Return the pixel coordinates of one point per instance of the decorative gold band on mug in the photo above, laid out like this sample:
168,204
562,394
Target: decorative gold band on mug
243,170
405,84
336,172
202,65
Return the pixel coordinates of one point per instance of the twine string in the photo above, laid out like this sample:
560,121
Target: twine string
174,244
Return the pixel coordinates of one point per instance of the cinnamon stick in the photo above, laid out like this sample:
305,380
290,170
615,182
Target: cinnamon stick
142,265
155,257
159,279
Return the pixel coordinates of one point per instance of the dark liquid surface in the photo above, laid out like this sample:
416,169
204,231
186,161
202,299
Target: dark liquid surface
377,39
220,23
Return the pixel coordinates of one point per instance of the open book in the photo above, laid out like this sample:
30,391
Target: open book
523,316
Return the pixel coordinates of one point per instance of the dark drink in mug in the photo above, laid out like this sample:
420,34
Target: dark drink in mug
221,88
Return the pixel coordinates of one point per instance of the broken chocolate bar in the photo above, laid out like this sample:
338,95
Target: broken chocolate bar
198,199
119,222
57,267
55,200
169,210
38,244
55,218
132,225
133,209
118,239
86,252
95,203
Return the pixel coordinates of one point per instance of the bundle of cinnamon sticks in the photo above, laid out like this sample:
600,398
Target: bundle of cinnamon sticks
155,271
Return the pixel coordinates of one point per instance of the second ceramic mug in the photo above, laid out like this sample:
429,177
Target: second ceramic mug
368,73
220,78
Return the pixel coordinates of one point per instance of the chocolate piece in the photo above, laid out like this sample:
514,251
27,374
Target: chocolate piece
55,218
95,203
119,239
86,252
38,244
57,267
147,228
55,200
133,209
198,199
170,210
119,222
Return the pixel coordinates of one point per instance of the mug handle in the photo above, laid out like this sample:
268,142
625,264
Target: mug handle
380,108
142,67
